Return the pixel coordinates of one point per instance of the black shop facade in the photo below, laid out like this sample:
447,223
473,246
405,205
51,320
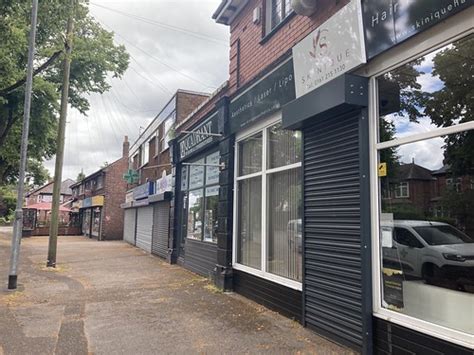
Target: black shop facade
196,159
386,257
336,196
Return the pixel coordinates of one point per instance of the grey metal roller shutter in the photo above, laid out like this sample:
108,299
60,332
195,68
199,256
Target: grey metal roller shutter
129,224
161,219
332,228
144,227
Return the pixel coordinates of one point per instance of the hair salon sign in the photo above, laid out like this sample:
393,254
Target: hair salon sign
334,48
389,22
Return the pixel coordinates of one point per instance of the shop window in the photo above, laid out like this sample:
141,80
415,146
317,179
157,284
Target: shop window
427,240
269,205
401,190
276,12
200,193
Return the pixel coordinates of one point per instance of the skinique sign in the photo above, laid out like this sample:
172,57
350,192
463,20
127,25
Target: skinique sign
389,22
335,47
266,96
192,142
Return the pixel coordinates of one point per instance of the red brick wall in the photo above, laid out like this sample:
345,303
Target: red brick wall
256,56
115,188
186,103
203,111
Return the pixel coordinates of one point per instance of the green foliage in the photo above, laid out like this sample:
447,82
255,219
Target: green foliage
403,211
95,58
460,206
81,176
7,203
454,102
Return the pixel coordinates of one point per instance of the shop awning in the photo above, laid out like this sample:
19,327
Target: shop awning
341,95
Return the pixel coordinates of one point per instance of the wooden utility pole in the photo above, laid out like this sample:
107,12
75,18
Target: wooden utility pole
58,169
18,223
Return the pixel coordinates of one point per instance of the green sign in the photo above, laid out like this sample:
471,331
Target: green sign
131,176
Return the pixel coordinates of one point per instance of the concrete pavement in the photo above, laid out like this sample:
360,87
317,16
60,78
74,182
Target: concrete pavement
111,298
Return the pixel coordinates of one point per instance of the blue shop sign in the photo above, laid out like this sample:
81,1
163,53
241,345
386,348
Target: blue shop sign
143,191
87,202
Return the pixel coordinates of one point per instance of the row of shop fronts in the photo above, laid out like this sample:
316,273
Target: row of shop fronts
314,189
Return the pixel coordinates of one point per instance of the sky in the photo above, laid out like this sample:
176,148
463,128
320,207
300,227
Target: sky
172,45
427,153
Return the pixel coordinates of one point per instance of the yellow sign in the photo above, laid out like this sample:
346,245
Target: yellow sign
97,200
382,169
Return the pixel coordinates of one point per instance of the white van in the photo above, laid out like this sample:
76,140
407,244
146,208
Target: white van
435,252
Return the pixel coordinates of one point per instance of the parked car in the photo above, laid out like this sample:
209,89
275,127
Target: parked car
295,234
436,252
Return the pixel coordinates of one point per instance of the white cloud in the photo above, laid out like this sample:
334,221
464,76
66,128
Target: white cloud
149,82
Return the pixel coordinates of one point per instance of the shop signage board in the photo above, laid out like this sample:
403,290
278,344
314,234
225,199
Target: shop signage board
87,202
163,184
389,22
143,191
193,142
334,48
268,95
98,200
129,197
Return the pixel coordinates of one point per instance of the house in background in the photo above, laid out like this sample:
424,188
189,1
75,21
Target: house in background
411,185
37,210
45,193
98,198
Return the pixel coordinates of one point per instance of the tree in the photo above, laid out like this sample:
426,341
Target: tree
454,102
81,176
95,58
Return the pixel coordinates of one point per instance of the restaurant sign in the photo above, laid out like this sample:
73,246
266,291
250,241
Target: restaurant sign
268,95
192,142
389,22
334,48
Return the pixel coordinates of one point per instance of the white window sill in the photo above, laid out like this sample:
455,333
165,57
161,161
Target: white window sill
437,331
270,277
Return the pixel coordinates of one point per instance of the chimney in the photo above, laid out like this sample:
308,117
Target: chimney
126,147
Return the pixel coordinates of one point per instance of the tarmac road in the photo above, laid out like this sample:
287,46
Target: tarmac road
111,298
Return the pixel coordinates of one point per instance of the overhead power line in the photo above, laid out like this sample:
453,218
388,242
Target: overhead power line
157,59
165,25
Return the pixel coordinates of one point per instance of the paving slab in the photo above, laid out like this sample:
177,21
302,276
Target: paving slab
112,298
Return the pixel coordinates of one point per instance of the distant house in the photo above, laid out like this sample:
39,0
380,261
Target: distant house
98,197
410,184
37,210
45,193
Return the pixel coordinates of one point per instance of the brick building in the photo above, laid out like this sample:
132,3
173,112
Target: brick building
301,194
147,207
98,198
45,193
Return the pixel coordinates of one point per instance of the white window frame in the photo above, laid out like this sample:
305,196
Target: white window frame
398,189
260,127
268,15
455,28
144,158
165,139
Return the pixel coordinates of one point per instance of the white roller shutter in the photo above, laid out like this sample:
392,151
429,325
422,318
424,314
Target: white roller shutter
129,224
144,228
